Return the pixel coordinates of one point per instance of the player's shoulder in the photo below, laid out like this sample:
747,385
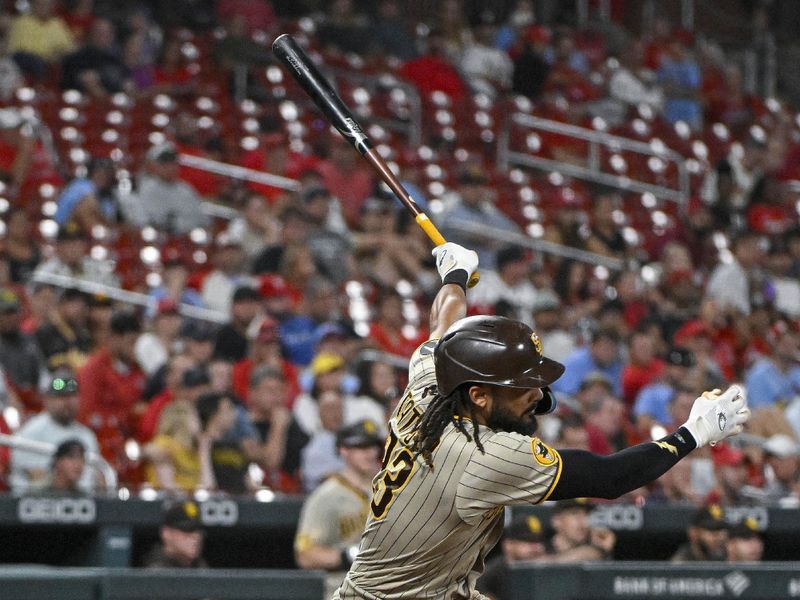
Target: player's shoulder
504,444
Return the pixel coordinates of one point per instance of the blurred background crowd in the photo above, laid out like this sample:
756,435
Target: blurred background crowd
199,330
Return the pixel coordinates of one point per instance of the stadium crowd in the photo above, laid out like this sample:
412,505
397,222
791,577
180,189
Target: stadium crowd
319,294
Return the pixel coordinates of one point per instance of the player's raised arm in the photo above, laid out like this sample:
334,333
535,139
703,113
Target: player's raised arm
714,417
456,265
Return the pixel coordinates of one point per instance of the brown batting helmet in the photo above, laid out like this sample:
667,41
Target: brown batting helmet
497,351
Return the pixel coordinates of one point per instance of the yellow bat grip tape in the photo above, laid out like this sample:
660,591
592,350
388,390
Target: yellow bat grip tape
430,229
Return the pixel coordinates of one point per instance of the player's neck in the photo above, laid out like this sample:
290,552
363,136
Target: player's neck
355,479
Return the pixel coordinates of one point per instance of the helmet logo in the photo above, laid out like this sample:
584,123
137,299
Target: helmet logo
537,343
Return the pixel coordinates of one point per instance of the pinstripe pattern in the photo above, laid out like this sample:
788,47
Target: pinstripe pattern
431,541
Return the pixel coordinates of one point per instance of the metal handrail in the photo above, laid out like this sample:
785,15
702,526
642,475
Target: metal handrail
121,295
520,239
93,459
237,172
593,172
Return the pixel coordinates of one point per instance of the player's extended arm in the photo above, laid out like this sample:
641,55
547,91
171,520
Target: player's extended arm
456,265
713,417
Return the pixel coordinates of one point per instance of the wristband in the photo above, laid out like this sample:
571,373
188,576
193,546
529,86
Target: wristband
459,277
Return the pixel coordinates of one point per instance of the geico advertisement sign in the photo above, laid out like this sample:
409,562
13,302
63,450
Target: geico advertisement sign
57,510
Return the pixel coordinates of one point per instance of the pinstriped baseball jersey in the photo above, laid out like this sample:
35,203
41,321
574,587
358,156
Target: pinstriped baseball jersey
429,531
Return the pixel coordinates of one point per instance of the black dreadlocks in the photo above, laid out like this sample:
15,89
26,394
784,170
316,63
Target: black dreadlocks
443,410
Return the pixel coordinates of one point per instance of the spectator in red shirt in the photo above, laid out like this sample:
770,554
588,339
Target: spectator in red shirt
258,14
387,329
187,141
171,74
111,387
347,177
172,376
265,351
432,72
643,366
604,424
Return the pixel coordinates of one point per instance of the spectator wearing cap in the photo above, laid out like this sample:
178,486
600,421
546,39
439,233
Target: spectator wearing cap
72,259
296,227
164,201
509,282
782,472
321,305
181,536
574,539
487,69
186,381
227,276
112,387
19,355
346,176
643,366
731,474
744,542
329,372
54,425
388,325
280,436
265,350
775,379
90,200
601,354
472,204
333,515
153,348
523,542
231,341
652,401
379,381
605,421
198,340
64,340
681,78
530,65
549,326
729,283
66,469
433,71
707,533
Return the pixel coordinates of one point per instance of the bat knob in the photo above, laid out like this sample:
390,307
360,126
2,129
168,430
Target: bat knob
474,279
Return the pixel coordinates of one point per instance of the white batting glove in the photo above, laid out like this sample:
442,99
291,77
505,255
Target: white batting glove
452,258
715,416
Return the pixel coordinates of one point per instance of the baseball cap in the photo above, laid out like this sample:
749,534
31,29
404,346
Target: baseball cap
163,153
359,435
315,192
70,231
680,357
267,332
596,377
710,517
62,383
725,455
199,331
472,174
509,254
184,516
747,528
245,293
124,322
326,363
545,300
525,529
781,446
273,286
70,447
167,306
9,301
195,377
572,504
690,330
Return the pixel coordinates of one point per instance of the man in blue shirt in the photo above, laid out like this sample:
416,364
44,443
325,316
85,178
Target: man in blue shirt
90,201
652,402
602,355
776,378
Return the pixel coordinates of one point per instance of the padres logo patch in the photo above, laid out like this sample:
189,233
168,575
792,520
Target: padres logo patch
543,453
537,343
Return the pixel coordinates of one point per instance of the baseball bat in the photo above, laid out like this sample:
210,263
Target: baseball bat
336,112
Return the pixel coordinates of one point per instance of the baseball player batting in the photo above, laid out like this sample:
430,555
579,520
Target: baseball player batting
461,449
